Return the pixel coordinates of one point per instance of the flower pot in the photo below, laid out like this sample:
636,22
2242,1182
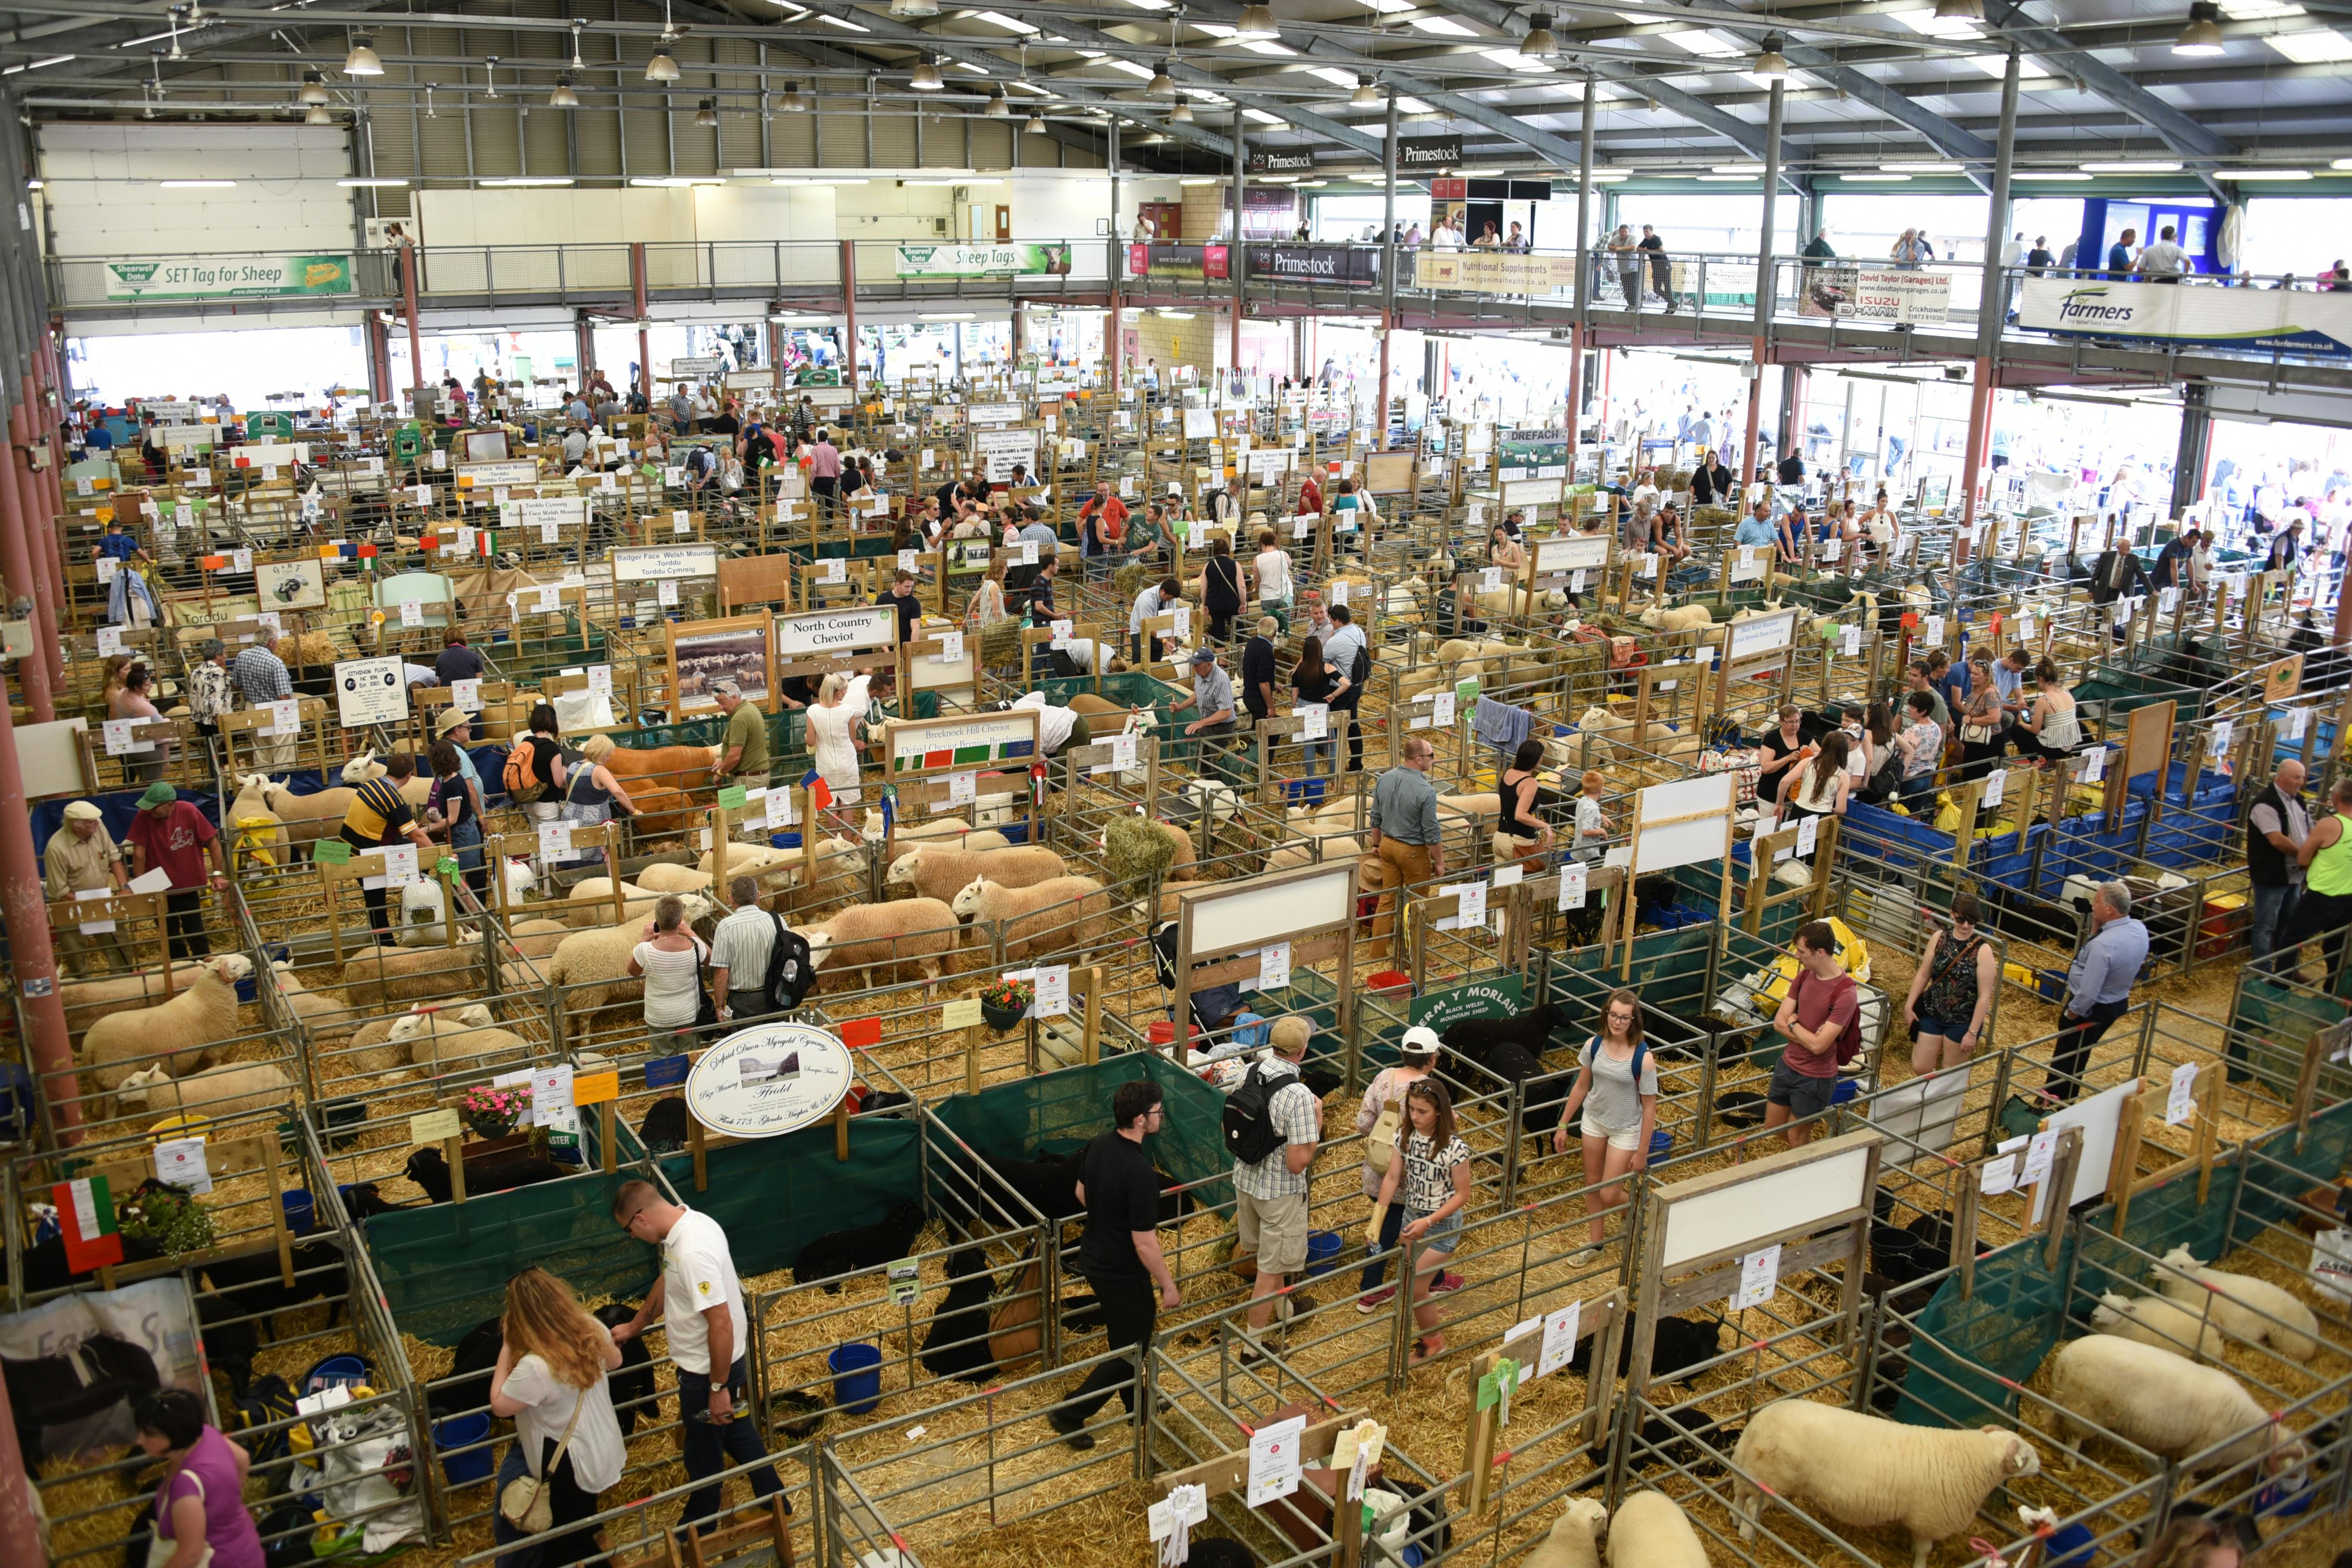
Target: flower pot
1002,1018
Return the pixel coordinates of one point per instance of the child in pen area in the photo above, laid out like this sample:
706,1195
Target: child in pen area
1617,1089
1433,1175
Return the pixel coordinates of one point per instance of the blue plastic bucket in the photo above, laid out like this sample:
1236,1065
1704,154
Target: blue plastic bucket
248,988
2070,1546
1661,1144
299,1211
472,1433
1323,1250
348,1370
2285,1499
857,1376
1846,1088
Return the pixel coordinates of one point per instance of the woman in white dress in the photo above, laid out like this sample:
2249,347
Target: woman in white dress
832,739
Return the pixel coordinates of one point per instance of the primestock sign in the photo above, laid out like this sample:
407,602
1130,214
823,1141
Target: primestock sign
1416,153
1350,264
1281,160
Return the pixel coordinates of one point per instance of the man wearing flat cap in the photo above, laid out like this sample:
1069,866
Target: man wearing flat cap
81,858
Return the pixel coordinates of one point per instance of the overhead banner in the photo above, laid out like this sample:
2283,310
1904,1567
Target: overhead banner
1198,262
1876,294
2279,319
1281,160
982,260
1537,453
1420,153
1492,271
1354,265
205,279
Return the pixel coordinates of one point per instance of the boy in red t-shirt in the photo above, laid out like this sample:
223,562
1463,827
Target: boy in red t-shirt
1821,1007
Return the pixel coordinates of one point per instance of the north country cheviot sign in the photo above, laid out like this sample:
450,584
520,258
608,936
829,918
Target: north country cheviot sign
2202,313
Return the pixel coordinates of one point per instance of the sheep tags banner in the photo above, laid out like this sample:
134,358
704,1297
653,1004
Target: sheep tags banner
767,1081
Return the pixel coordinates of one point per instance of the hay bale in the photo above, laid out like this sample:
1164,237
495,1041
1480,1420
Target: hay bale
1128,581
1000,644
1136,850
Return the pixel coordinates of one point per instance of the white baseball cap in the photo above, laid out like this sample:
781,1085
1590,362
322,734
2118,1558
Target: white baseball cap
1421,1040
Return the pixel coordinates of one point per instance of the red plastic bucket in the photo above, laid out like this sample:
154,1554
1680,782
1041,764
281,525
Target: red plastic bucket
1389,980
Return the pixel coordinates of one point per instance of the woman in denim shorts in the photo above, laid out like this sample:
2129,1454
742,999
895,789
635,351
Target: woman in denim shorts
1432,1173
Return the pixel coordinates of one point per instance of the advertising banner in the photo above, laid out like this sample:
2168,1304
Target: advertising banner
1531,453
1198,262
1418,153
199,277
1876,294
2262,318
1492,271
982,260
1355,265
1281,160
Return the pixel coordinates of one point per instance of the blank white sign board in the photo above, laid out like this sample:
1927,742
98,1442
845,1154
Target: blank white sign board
1247,916
1728,1218
50,755
2099,1117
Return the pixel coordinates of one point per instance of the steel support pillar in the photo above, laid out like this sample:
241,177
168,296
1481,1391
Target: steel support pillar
33,964
849,318
1993,306
379,357
1115,323
1765,288
410,257
1234,260
1387,274
1580,334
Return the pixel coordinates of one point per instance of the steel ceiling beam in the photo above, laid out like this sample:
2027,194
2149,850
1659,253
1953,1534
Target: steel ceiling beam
2178,130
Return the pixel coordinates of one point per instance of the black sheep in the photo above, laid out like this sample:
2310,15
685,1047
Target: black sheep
1531,1031
1218,1551
840,1252
499,1174
1545,1098
956,1345
664,1130
253,1285
44,1263
467,1385
230,1340
94,1376
1663,1446
633,1384
1681,1343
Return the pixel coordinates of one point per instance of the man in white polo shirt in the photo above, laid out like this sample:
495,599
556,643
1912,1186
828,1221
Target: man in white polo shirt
706,1332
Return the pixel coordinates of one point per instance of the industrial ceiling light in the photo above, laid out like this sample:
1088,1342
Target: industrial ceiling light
1036,126
1959,10
705,114
362,60
314,89
1772,65
999,106
793,102
1255,23
927,74
2202,35
577,63
1162,84
1539,44
1182,114
662,66
1365,95
564,97
490,75
431,112
914,10
318,116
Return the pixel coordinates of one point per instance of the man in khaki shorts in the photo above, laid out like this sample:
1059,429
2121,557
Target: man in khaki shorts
1270,1195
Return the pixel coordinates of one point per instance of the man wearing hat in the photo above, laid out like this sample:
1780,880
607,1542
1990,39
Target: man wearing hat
172,837
456,727
1212,695
380,815
743,749
81,858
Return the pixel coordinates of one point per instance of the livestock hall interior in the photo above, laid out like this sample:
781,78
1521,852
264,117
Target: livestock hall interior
837,784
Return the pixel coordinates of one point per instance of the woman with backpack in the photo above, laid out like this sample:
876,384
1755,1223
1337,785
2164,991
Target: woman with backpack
1220,589
530,777
1617,1089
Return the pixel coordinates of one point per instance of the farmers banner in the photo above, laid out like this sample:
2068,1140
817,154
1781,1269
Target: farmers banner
982,260
1492,271
204,278
1875,294
2263,319
1532,453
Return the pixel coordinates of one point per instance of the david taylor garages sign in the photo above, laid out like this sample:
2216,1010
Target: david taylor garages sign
836,631
767,1081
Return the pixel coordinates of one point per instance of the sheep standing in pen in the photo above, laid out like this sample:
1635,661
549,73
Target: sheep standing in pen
381,976
88,1001
2242,1305
326,1018
463,1039
214,1092
2168,1407
919,932
1651,1531
1573,1541
182,1034
2154,1321
933,872
1866,1470
1047,918
598,961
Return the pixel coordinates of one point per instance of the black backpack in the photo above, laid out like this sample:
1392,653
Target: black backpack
789,973
1250,1132
1360,670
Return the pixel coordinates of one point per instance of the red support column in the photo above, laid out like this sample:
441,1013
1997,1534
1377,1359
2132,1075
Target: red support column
29,579
645,347
849,311
20,1532
412,257
40,525
1972,457
25,911
379,351
583,338
32,517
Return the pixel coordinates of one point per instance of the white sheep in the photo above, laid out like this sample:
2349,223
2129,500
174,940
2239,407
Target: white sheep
88,1001
1218,799
2168,1407
2154,1321
326,1017
461,1039
1867,1470
1650,1531
1337,848
1680,618
1573,1539
589,902
2249,1308
214,1092
378,976
182,1034
361,768
663,878
920,931
936,871
597,961
1068,914
536,938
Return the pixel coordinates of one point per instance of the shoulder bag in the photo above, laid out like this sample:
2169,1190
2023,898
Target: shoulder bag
161,1548
525,1502
1380,1143
706,1011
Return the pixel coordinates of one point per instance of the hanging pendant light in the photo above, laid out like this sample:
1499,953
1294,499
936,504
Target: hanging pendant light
1256,22
318,116
491,75
1772,65
792,102
1959,10
1539,44
314,89
363,59
1036,126
1365,95
2202,36
999,106
914,10
927,75
662,66
1163,84
577,63
705,114
564,97
1182,114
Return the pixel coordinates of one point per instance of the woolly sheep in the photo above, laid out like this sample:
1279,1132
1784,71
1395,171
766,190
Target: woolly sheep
462,1039
252,804
2154,1321
182,1033
379,977
589,902
88,1001
1866,1470
1218,799
1649,1530
361,768
1337,848
536,938
920,931
2169,1407
312,816
326,1017
218,1092
597,961
663,878
1571,1542
1680,618
936,871
2242,1305
1039,920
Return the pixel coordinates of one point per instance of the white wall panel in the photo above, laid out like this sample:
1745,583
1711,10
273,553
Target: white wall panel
105,195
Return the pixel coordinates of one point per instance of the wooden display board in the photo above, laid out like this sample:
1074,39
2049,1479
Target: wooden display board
1223,928
702,651
924,756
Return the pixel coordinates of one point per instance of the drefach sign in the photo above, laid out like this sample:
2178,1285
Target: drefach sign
2262,319
1283,160
1427,153
1495,998
206,278
1316,263
982,260
1532,453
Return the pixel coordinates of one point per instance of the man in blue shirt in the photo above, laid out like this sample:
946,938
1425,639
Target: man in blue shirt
2119,258
118,545
2098,987
1757,528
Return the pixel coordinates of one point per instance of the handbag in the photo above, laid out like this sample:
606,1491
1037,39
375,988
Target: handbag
161,1548
706,1010
1379,1143
524,1501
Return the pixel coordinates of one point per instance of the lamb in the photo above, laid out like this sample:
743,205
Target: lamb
1681,618
311,816
325,1017
429,1169
2242,1305
383,976
252,805
597,962
1571,1542
88,1001
591,902
536,938
1337,848
459,1040
956,1345
2167,1325
1531,1031
214,1092
1040,921
361,768
905,930
663,878
1680,1344
840,868
182,1034
841,1252
933,872
1867,1470
2169,1408
1650,1531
